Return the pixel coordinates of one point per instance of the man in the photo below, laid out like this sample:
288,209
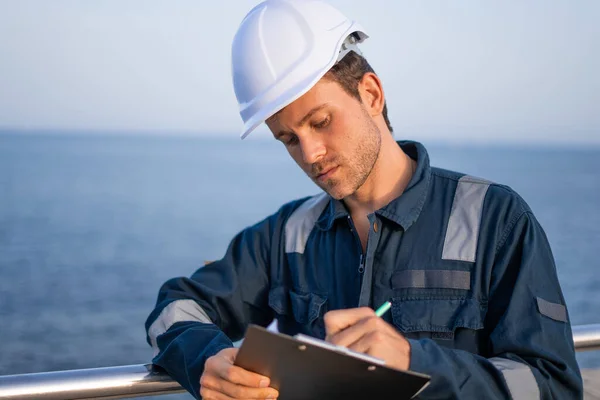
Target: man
476,302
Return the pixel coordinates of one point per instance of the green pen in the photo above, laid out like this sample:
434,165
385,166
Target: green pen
383,308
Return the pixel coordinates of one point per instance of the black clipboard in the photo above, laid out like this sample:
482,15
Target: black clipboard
302,368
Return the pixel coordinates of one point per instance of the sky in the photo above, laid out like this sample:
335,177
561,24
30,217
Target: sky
465,71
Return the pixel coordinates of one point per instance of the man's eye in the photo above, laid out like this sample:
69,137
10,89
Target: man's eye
292,140
322,124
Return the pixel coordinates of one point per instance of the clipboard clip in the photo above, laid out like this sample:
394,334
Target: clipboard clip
339,349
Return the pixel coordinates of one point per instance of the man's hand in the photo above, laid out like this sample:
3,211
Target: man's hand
223,380
359,329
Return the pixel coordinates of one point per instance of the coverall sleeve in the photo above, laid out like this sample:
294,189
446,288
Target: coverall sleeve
530,352
195,318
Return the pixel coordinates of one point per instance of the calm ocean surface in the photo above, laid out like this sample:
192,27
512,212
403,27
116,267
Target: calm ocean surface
91,226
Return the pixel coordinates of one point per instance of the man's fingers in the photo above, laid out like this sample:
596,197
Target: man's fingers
223,380
369,340
211,394
222,366
240,376
338,320
354,333
229,353
213,384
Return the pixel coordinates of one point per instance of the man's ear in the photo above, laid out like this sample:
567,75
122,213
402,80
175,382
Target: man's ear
371,93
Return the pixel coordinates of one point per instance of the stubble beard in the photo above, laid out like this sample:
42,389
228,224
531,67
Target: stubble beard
359,167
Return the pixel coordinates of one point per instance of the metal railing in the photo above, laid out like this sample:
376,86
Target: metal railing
145,380
586,337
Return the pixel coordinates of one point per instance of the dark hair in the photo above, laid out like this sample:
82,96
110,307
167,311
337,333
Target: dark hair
348,72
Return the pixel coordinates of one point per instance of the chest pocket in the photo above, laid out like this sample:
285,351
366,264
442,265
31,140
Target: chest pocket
298,312
451,322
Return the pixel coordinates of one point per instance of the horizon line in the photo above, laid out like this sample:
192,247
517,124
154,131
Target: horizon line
264,135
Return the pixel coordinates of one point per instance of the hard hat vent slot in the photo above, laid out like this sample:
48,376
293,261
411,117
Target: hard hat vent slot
349,45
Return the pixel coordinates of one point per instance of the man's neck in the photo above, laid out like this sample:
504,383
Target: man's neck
391,174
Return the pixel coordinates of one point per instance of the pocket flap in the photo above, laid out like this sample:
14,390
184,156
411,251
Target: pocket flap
304,306
278,300
438,315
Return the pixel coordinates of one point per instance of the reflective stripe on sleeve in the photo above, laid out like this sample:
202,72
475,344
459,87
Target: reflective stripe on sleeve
177,311
556,311
519,378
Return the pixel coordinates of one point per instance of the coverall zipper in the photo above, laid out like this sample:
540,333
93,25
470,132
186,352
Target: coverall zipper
361,262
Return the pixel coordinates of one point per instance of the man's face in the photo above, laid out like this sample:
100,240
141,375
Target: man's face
331,136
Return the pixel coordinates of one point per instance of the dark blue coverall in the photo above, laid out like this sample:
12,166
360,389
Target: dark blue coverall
467,266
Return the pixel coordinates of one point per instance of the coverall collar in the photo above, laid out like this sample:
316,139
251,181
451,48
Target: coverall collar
403,210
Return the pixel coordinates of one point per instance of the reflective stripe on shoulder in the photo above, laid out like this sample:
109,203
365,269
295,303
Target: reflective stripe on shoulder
462,232
302,221
177,311
519,378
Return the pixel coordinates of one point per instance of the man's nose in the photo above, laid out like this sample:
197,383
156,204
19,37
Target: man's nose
313,149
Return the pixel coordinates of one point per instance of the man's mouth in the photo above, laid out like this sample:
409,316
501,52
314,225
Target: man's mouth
326,174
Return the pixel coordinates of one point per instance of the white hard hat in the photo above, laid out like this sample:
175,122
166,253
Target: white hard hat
281,50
